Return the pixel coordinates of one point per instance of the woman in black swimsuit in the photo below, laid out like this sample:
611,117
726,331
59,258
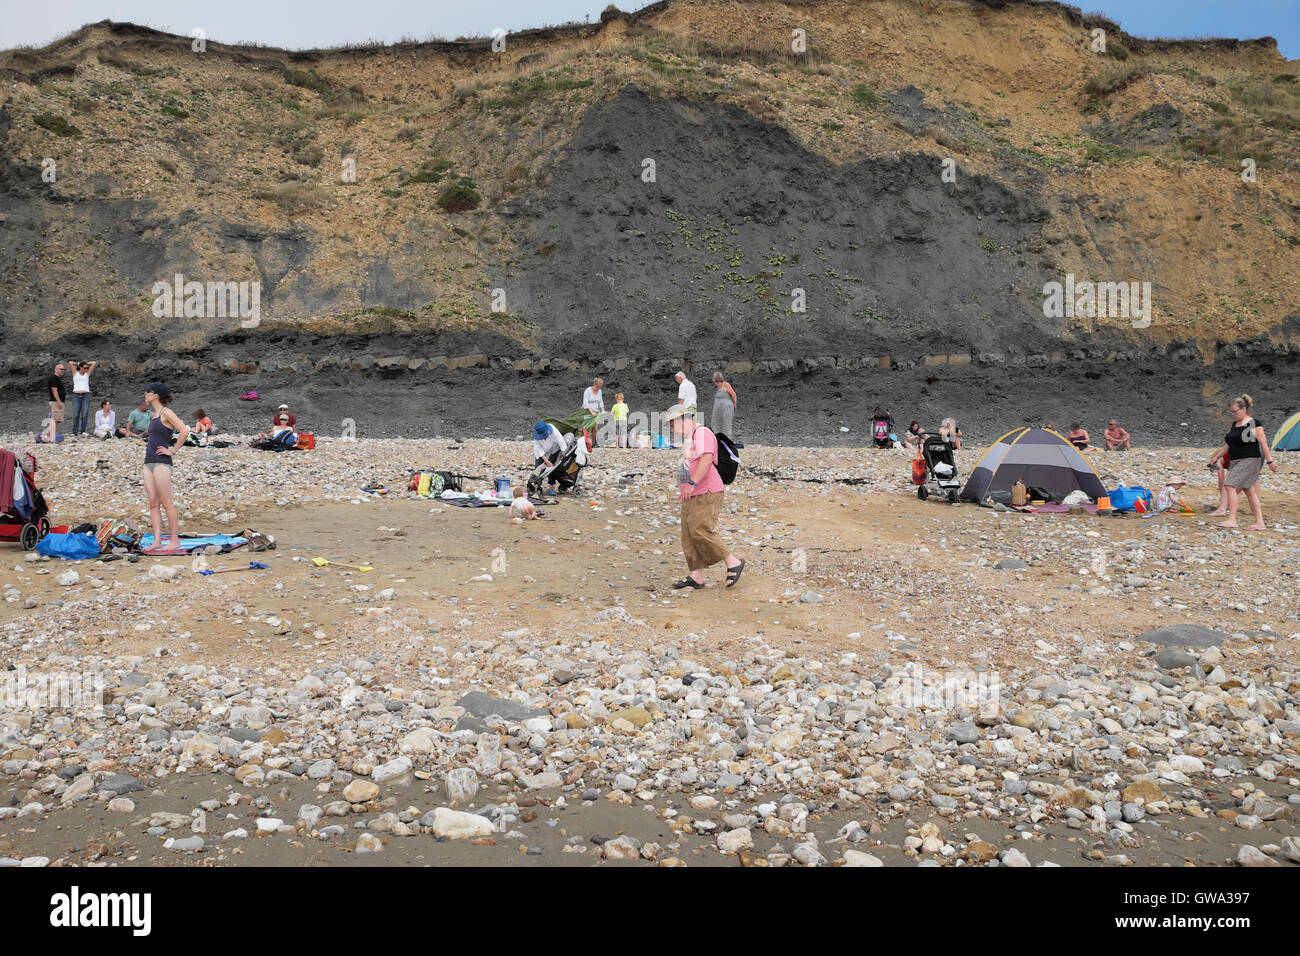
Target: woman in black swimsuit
160,446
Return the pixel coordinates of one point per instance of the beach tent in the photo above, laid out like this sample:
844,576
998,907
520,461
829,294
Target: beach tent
579,421
1039,457
1288,436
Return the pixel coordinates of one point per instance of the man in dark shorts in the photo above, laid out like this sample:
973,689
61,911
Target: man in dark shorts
54,395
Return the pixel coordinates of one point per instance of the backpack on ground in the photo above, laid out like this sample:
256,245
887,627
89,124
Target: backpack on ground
727,460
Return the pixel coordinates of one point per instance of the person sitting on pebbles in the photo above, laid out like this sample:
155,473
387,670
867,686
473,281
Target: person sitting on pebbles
282,425
1170,497
1117,439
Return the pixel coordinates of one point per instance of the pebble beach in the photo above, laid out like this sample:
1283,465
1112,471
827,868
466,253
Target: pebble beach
892,682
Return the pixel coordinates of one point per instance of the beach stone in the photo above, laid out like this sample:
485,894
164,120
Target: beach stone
369,843
1183,634
1010,564
461,784
636,716
1170,659
479,705
859,858
321,769
787,740
80,787
309,814
456,825
184,844
732,842
1249,855
1142,790
392,770
421,740
360,791
1132,813
1014,857
68,578
121,805
808,854
965,733
621,848
1290,849
547,779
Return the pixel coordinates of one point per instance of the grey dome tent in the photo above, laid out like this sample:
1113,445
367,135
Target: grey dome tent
1039,457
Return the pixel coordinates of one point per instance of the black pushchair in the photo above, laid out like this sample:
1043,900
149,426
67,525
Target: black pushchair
941,478
566,473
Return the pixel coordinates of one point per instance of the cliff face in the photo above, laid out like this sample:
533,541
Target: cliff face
675,183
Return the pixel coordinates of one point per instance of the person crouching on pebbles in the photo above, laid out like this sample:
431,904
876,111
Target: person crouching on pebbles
700,490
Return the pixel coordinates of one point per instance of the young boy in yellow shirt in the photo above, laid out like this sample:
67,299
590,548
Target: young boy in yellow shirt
619,411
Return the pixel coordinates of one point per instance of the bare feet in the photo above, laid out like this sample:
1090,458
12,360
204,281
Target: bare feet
1218,514
1256,527
1227,524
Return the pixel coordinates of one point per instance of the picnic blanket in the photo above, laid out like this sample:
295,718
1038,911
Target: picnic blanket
474,501
190,543
1055,509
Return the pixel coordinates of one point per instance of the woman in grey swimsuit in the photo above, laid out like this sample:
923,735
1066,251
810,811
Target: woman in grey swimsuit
160,446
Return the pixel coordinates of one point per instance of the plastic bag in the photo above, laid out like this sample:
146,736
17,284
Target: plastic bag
1125,499
73,547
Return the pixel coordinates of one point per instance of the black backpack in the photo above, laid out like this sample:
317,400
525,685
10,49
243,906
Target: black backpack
728,459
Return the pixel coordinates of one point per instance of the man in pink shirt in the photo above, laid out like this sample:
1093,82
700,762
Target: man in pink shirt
700,489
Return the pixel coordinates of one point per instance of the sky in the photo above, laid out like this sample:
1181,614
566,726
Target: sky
295,24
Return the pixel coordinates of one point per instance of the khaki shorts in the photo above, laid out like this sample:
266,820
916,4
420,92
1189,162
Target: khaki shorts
56,412
700,542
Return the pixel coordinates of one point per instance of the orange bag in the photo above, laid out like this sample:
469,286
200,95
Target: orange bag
306,440
919,470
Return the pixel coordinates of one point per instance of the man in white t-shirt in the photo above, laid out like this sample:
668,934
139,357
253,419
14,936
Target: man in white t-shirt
686,393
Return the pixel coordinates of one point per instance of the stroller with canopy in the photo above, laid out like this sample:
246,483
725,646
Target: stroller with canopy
940,478
882,428
24,516
566,472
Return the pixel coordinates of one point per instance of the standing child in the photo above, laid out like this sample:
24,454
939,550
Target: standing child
619,411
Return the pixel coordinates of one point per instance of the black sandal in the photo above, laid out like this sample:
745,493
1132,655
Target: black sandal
733,574
687,582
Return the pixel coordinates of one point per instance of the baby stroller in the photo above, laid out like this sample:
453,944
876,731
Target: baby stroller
25,516
566,473
882,425
940,477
